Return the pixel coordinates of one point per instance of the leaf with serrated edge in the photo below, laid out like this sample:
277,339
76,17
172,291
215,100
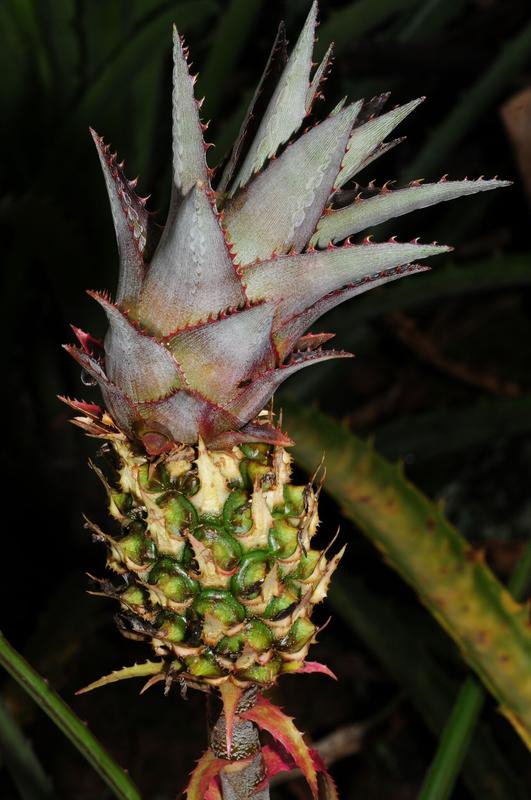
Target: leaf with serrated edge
136,671
246,335
314,666
253,398
258,224
274,65
336,225
252,432
136,362
320,591
207,768
365,139
287,336
318,78
270,718
131,223
287,107
381,150
372,107
189,161
117,403
276,761
295,282
327,786
192,274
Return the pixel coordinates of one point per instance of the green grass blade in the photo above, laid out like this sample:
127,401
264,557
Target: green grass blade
454,742
461,592
21,762
230,37
459,730
65,719
472,104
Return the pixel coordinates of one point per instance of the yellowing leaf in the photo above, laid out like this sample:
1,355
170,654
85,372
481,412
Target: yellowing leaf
136,671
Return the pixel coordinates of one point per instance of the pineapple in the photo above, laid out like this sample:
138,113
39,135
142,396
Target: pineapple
214,555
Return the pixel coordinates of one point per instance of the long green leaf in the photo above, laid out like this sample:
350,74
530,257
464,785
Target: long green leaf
461,592
454,742
65,719
21,762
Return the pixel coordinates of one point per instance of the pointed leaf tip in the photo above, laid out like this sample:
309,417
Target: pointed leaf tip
258,224
189,159
135,671
297,282
337,224
314,666
135,231
368,138
248,403
287,107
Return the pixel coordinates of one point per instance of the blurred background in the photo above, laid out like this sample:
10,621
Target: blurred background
441,379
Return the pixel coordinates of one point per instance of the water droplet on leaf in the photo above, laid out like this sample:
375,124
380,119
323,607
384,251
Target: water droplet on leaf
87,379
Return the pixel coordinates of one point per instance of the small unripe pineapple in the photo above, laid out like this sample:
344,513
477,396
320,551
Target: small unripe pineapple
214,561
216,558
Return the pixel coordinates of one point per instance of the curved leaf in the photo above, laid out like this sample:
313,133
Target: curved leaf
458,588
65,719
136,671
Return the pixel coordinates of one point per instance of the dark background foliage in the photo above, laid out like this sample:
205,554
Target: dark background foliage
441,378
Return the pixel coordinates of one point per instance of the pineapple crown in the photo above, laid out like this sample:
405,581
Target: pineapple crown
212,311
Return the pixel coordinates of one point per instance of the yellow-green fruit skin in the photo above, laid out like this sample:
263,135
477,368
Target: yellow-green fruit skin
215,552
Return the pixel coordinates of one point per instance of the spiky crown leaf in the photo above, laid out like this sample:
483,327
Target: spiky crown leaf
210,316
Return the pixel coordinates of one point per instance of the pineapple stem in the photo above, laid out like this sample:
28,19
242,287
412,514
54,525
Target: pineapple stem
235,785
246,769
